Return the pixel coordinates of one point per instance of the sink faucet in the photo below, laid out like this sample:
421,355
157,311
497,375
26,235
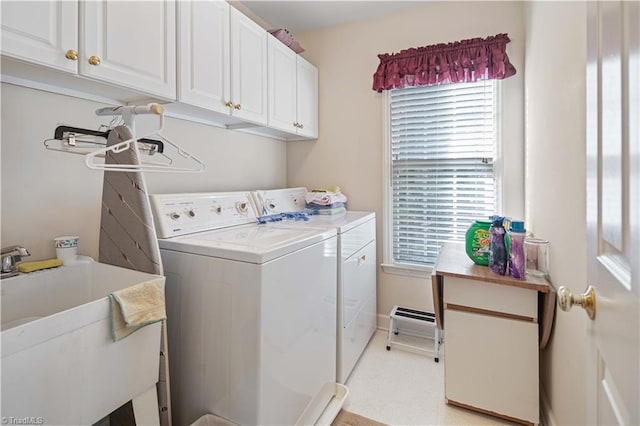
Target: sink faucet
11,256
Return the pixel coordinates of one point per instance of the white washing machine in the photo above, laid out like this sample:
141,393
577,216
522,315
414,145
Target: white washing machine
250,312
356,269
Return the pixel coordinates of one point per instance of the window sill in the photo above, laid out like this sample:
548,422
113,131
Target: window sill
407,270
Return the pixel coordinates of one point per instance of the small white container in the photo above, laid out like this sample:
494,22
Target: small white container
67,249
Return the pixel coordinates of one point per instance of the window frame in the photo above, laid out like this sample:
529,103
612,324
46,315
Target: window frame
389,265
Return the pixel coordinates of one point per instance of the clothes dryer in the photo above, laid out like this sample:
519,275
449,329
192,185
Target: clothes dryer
250,312
356,268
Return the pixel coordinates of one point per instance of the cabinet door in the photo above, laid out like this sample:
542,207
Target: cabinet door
282,86
491,363
204,54
41,32
130,44
248,69
307,99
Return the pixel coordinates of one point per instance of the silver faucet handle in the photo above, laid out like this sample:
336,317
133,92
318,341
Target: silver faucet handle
20,249
11,256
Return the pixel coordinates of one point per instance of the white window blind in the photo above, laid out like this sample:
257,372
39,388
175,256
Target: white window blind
443,140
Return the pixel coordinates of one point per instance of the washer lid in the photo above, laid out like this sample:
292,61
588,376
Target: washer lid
341,222
249,243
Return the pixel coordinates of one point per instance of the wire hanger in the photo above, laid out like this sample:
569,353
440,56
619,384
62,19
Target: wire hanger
128,114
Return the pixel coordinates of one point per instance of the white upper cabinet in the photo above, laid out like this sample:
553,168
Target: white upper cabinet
223,63
307,98
293,91
204,59
248,69
282,86
41,32
130,43
204,78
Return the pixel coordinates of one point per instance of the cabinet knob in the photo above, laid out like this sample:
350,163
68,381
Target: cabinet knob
587,300
300,126
237,106
71,54
94,60
229,104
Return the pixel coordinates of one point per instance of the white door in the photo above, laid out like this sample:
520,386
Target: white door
130,44
204,55
41,32
613,211
248,69
307,101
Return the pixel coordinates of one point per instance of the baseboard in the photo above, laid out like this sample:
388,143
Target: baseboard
546,413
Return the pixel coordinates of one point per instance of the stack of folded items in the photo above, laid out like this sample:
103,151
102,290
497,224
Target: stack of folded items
327,201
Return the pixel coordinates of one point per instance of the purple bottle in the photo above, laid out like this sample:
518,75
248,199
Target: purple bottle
517,263
497,248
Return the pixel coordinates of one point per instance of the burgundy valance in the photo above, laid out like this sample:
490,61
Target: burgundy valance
460,61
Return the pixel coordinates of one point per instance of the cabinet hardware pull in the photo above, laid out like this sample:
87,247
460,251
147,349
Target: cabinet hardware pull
71,54
300,126
362,259
237,106
94,60
229,104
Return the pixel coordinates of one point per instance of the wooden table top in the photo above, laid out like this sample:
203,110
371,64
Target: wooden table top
454,262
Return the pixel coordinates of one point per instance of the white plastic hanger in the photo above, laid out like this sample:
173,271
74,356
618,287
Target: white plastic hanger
128,113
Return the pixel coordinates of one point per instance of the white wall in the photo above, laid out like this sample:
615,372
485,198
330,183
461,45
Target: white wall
555,186
47,193
348,152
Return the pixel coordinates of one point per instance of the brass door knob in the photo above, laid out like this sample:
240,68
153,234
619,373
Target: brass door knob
94,60
587,300
229,104
237,106
71,54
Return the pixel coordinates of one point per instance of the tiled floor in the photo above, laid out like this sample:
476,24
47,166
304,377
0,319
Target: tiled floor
404,387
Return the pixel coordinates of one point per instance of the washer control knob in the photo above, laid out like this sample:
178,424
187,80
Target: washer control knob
191,213
218,210
271,205
241,206
174,215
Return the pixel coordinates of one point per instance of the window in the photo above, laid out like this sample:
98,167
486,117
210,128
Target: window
441,178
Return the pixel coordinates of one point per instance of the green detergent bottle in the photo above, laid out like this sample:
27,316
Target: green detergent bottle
477,242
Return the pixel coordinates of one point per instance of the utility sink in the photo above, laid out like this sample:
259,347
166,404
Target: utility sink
59,363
